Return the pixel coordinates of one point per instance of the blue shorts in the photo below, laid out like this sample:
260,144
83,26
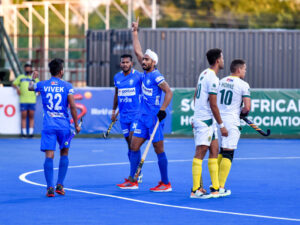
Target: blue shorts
27,106
49,138
127,127
144,128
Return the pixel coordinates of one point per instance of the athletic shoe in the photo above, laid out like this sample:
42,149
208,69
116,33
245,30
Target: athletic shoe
140,178
214,192
224,192
60,189
161,187
128,185
50,192
200,193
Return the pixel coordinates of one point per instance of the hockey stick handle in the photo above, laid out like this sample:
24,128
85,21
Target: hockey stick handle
137,173
110,126
255,127
73,134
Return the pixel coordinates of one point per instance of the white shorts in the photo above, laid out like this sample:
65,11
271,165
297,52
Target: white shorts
204,134
231,141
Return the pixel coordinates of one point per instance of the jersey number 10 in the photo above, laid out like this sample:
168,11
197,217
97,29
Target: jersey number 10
50,101
226,97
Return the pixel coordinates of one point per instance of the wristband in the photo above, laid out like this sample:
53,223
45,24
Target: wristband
221,125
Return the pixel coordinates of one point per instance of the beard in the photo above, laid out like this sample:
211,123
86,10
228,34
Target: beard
145,67
126,70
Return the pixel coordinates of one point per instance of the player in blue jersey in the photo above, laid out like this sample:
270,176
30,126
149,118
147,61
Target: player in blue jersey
127,96
56,95
153,84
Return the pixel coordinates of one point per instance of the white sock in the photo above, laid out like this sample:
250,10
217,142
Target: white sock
30,130
24,131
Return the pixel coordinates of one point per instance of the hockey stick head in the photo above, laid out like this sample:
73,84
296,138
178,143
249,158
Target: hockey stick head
104,135
267,134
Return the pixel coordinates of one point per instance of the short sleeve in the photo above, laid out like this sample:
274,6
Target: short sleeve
115,82
17,81
70,89
158,78
246,90
213,85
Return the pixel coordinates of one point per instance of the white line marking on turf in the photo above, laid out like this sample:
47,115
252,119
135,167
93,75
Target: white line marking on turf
23,178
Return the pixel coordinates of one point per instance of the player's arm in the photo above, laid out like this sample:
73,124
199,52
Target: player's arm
16,84
215,110
73,112
32,82
136,42
247,106
115,105
164,86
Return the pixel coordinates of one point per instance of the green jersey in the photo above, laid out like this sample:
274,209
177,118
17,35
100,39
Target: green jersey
22,82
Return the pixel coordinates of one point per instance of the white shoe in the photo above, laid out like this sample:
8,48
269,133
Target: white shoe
224,192
199,194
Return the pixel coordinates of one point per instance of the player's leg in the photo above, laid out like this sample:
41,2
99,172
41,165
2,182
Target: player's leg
158,143
229,144
23,119
214,168
31,121
62,137
202,138
48,144
138,138
126,132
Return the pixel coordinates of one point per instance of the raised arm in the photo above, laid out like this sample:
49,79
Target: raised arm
136,43
31,83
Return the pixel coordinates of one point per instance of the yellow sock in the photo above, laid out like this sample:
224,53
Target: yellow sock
214,172
224,171
196,170
219,160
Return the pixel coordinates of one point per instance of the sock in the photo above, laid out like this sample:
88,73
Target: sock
224,171
220,157
31,130
48,171
24,131
214,173
63,168
135,158
196,171
163,167
129,152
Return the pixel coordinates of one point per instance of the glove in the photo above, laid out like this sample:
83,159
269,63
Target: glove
161,115
243,115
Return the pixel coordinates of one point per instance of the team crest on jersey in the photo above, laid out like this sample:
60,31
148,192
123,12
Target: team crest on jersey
53,83
148,82
131,82
229,80
214,85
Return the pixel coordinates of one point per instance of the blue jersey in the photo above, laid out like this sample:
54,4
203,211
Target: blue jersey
129,91
54,93
151,92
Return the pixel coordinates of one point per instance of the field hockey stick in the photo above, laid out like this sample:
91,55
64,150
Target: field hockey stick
255,127
138,170
105,135
73,133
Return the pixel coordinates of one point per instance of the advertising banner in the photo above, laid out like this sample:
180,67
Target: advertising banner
10,116
95,105
275,109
